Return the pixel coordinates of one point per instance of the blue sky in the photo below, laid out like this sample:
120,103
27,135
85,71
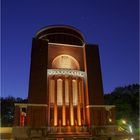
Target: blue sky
112,24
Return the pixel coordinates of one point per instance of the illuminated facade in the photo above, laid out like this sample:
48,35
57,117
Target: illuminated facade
65,97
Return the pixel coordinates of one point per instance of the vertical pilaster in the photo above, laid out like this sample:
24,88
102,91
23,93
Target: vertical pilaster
83,101
49,90
63,104
67,101
71,102
55,104
78,103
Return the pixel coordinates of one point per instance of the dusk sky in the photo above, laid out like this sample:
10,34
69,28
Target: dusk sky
112,24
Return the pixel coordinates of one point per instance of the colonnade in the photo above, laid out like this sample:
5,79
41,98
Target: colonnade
66,101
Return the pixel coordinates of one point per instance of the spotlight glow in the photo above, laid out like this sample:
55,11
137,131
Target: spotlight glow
130,128
110,120
123,121
132,139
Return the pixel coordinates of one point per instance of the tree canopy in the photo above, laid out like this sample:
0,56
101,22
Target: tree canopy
7,109
126,100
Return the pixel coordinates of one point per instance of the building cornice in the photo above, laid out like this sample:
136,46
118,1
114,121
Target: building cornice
107,107
69,45
27,104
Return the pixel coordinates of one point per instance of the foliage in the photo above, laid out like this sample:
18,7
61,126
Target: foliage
7,109
126,100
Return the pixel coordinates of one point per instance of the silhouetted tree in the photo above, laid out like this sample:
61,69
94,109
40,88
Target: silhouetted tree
126,100
7,109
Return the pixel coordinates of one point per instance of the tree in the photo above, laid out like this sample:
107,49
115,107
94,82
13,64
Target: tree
7,109
126,100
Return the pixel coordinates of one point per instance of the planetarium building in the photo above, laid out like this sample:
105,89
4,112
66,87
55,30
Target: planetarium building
65,99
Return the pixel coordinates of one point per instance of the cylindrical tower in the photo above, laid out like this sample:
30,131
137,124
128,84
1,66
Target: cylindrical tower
61,34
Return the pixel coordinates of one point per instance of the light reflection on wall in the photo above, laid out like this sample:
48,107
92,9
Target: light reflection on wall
65,62
66,92
75,92
65,98
51,88
59,92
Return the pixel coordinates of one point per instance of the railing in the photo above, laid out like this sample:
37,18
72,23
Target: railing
104,130
51,131
66,72
67,129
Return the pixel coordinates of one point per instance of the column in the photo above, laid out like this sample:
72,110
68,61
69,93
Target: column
78,103
67,101
83,102
63,104
71,102
49,89
55,104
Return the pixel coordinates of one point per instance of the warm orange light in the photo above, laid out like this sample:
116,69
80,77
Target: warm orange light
63,115
110,120
79,115
65,62
55,115
52,91
66,92
88,115
79,102
81,86
59,91
71,115
124,121
75,92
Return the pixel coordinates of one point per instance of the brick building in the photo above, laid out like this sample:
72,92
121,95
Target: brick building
65,98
